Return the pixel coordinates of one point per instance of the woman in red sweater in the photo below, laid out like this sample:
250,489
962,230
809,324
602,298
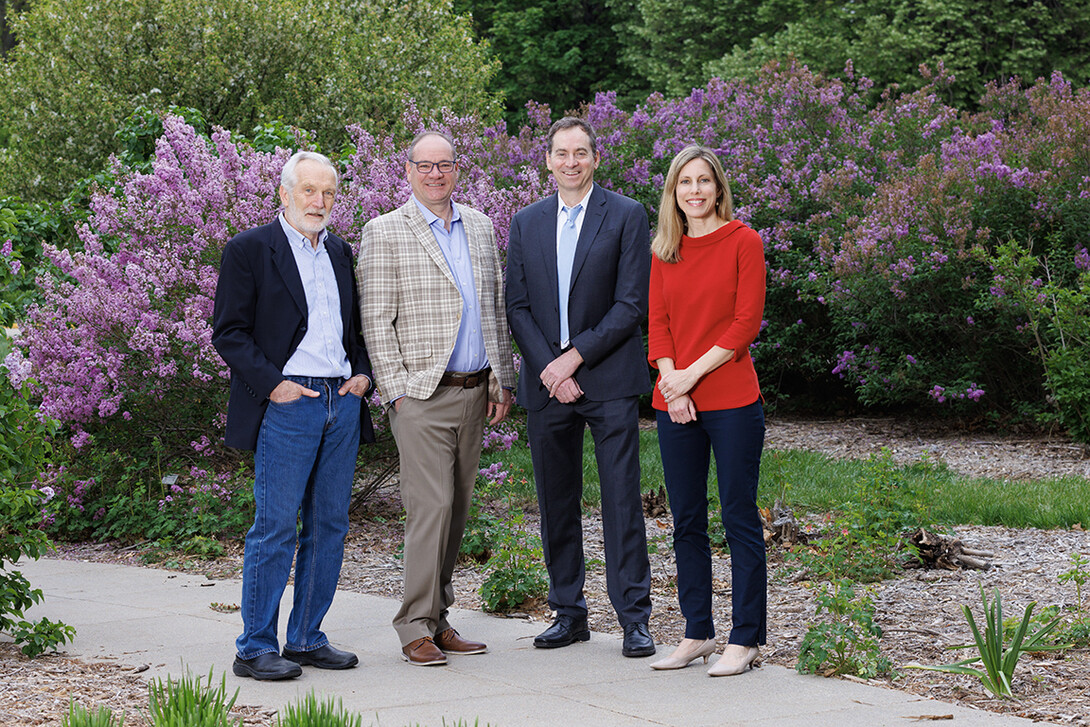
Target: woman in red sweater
706,301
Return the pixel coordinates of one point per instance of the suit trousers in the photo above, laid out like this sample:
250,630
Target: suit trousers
555,434
439,444
737,437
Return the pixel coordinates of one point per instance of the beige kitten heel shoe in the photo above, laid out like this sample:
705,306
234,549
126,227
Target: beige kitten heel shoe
735,660
686,652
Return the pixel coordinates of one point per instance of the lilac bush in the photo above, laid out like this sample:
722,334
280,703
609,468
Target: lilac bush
882,225
120,342
879,222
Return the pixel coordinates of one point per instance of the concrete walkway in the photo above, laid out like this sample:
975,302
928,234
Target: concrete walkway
163,619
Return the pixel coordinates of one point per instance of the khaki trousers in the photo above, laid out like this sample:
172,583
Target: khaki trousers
439,444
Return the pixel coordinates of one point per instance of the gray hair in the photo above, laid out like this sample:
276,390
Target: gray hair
288,177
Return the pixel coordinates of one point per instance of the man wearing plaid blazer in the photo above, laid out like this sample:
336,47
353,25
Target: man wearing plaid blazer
431,297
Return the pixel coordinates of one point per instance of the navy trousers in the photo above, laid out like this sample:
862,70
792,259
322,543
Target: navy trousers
737,438
555,434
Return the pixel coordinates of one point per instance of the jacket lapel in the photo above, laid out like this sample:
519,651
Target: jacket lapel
592,222
342,270
548,245
286,266
419,227
475,237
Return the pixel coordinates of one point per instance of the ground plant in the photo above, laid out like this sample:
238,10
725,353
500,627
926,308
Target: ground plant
186,702
480,535
865,539
997,653
313,712
845,640
1079,574
79,716
1076,631
516,571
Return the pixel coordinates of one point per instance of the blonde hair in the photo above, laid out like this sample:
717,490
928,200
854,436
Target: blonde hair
672,225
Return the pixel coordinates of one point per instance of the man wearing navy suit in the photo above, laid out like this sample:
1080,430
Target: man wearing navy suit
578,265
286,321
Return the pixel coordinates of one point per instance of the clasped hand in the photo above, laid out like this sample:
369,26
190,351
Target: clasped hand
676,383
558,377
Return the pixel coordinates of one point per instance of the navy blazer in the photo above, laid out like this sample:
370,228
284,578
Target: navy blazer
606,305
260,316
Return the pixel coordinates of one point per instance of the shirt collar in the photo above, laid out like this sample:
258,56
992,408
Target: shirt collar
584,202
298,239
431,218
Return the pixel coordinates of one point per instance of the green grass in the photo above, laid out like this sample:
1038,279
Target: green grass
518,464
812,482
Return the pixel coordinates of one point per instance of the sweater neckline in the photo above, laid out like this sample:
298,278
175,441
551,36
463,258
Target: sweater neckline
713,237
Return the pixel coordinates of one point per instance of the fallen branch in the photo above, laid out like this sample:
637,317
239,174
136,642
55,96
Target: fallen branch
942,551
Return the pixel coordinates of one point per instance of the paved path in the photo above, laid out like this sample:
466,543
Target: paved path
163,619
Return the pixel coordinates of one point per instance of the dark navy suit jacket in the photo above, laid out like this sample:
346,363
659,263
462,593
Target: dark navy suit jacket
260,316
607,303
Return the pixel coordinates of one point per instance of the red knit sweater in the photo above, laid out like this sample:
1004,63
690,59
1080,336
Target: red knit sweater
713,296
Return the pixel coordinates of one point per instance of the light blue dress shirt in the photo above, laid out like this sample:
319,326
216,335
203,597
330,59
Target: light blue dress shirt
562,219
469,354
321,352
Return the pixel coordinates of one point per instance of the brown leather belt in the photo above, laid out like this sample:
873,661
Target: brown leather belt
464,381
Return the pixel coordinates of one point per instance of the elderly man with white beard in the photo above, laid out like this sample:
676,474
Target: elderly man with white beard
286,321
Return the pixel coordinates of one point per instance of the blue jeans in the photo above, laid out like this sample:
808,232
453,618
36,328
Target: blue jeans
737,437
303,468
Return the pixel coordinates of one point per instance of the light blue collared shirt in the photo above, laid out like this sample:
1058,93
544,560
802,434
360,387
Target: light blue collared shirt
562,212
321,352
469,353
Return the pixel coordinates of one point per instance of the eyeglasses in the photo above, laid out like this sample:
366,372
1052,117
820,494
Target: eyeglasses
444,167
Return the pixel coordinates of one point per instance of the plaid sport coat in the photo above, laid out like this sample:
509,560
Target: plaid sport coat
410,307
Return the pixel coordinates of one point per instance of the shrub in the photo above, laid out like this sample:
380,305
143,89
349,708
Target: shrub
1049,293
80,66
24,446
21,537
884,229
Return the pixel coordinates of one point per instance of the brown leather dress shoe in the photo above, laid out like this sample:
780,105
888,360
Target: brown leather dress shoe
423,652
451,642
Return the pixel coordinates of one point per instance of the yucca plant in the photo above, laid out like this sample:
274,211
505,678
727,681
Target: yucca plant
310,712
186,703
997,657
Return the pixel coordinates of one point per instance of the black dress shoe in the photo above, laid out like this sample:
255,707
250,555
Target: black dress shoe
324,657
565,630
637,641
267,667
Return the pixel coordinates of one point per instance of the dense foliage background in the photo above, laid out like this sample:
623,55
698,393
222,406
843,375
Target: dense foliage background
925,228
81,67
